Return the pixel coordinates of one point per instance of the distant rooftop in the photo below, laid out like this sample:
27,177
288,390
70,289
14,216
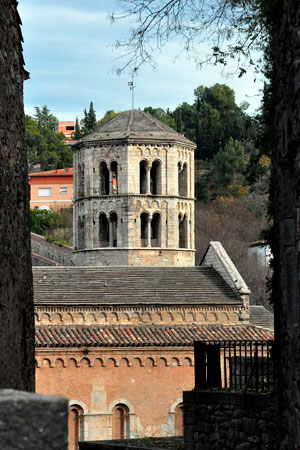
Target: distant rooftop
135,126
143,335
131,285
53,173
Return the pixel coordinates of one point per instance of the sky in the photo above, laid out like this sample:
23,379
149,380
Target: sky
69,52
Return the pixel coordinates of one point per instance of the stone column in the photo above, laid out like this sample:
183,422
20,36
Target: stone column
110,232
148,180
110,182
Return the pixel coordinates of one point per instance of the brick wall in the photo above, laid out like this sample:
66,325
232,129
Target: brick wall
220,421
16,308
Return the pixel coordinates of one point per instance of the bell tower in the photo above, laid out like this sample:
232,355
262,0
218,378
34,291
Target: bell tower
134,194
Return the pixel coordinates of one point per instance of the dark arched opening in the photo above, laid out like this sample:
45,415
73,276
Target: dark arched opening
114,176
103,230
80,180
104,179
75,422
113,229
182,180
155,230
144,229
80,232
182,231
143,177
155,178
120,422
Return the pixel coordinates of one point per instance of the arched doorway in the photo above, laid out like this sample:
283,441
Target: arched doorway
103,231
178,423
155,230
143,177
120,422
75,426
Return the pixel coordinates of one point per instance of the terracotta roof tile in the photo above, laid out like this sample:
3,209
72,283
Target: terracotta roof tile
143,335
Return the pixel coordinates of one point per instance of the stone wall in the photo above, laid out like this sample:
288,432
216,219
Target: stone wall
221,420
60,254
16,311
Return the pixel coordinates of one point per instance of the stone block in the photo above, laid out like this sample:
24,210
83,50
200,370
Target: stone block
32,421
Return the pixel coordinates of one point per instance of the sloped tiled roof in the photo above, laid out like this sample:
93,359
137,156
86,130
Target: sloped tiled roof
131,285
261,317
54,173
135,125
143,335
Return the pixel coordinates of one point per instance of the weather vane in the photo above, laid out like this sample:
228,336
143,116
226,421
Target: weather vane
131,85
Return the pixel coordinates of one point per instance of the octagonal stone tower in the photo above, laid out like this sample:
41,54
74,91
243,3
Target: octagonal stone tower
134,194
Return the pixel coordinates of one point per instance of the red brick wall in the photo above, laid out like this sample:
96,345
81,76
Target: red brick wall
151,392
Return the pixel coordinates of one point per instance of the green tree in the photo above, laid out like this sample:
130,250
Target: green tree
45,119
45,146
162,115
89,121
43,220
229,162
107,116
77,134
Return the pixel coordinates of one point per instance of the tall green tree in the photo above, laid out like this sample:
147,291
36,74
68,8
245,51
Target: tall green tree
77,134
228,162
89,121
45,119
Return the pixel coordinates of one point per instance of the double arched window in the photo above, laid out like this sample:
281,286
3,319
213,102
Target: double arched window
108,230
150,177
108,178
120,422
150,230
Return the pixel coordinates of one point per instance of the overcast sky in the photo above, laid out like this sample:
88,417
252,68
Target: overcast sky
68,50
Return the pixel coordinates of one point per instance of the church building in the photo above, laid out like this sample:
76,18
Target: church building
115,332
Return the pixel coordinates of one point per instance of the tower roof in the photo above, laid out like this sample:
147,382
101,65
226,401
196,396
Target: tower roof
135,126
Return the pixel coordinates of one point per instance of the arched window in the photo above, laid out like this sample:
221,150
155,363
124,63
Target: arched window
113,230
75,426
144,229
178,420
155,178
182,231
104,179
81,243
80,180
182,180
155,230
120,422
103,230
114,176
143,177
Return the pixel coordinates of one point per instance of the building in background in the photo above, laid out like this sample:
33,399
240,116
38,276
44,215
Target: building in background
67,128
52,189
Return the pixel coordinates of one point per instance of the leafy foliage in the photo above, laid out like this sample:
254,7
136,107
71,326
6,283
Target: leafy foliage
45,146
89,120
43,220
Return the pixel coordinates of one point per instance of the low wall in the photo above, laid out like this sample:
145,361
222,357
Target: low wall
221,420
161,443
60,254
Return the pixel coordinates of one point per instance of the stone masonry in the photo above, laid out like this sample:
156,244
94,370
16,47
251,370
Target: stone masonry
16,303
134,194
224,421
